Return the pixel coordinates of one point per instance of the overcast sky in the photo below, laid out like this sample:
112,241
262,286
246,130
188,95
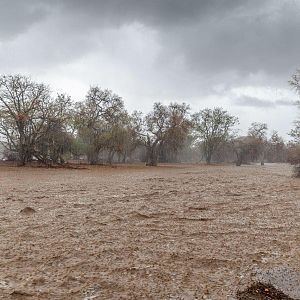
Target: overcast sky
237,54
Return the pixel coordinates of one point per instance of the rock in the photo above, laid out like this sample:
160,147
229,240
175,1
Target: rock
281,283
27,211
21,293
283,278
260,291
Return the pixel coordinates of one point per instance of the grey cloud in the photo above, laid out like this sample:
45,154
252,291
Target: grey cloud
245,42
245,36
261,103
283,102
155,13
210,36
17,17
254,102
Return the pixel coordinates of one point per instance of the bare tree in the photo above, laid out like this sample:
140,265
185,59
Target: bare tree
179,128
256,146
166,125
213,127
134,138
58,138
295,132
94,118
258,131
294,151
295,83
275,148
245,148
24,111
116,135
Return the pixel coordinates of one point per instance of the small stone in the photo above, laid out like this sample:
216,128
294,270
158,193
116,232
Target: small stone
27,211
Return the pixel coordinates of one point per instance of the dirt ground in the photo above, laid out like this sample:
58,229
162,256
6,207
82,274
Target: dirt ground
135,232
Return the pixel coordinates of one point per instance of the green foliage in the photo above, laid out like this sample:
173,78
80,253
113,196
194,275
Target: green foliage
35,125
213,127
102,123
166,128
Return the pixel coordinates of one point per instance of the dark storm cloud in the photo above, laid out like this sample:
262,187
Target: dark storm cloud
155,13
247,40
210,36
261,103
17,16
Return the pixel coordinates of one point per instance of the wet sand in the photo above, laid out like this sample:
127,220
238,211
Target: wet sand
171,232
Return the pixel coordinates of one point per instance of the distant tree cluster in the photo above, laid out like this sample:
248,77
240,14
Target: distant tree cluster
52,130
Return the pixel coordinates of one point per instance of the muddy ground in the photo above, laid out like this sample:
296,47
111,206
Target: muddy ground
171,232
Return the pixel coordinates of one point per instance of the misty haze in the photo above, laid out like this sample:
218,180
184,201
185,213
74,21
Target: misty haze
150,149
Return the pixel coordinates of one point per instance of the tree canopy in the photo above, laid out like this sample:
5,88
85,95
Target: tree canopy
213,127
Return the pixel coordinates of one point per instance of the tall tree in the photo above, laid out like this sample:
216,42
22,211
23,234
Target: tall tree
258,131
116,135
94,118
276,149
294,151
295,132
58,137
24,111
213,127
165,125
295,84
246,149
134,139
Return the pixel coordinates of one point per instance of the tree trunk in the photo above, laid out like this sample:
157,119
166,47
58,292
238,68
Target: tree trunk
262,154
92,158
22,156
296,171
21,163
22,147
151,156
152,153
262,160
208,151
239,161
110,157
239,158
208,158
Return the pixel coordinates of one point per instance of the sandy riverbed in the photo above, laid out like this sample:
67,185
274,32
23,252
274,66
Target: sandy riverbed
171,232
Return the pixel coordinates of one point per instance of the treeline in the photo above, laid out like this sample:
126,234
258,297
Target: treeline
36,126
